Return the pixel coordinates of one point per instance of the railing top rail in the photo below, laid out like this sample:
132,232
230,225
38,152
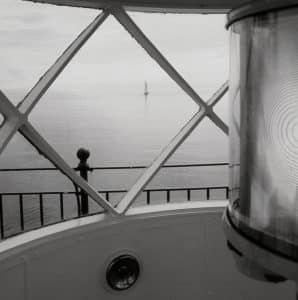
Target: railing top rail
119,190
117,167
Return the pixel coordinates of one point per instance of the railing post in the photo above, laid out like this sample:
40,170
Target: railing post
61,206
1,218
208,193
21,206
148,197
83,167
168,196
108,196
41,209
188,195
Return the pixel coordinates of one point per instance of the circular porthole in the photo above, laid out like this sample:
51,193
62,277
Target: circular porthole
122,272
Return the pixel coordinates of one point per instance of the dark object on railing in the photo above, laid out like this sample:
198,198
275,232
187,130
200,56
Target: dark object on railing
83,167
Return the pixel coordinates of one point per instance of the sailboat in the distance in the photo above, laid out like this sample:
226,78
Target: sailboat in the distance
146,91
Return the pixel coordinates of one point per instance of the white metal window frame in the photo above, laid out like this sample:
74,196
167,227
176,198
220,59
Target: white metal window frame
16,118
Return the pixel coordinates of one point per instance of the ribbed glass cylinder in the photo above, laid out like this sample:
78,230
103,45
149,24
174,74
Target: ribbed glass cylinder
264,129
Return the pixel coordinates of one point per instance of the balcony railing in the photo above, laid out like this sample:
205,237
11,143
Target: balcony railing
23,222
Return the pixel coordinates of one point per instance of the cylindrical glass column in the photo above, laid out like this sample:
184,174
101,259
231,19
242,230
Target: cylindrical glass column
264,128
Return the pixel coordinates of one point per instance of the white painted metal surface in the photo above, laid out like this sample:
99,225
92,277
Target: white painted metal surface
182,253
166,6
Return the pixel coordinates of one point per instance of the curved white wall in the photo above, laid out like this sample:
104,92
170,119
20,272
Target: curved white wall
183,255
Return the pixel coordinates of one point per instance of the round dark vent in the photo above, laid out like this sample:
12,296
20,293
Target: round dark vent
123,272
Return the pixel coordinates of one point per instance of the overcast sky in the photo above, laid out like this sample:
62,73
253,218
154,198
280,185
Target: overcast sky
33,35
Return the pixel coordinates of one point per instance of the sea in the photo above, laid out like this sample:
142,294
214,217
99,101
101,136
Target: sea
118,131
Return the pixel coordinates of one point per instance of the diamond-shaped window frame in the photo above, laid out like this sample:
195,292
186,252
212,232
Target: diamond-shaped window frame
16,118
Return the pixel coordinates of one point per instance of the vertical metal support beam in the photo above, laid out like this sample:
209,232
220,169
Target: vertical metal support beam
137,188
32,98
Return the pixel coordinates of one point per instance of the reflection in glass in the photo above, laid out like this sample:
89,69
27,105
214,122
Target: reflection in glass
1,119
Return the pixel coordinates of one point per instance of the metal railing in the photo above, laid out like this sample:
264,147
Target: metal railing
117,167
20,197
80,200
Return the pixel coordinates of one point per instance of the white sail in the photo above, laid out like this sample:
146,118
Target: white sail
146,91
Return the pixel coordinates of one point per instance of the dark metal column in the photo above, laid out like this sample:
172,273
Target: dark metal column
83,167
